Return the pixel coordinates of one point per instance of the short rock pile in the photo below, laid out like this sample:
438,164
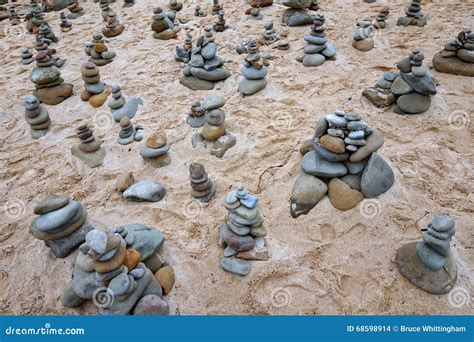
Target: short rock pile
457,58
36,116
362,36
414,16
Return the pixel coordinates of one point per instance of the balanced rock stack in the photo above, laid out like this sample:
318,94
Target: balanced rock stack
40,45
124,260
120,107
89,150
198,11
94,88
204,68
162,25
47,34
104,9
243,234
220,25
175,5
129,133
428,264
61,224
183,54
26,56
36,116
414,16
343,154
381,18
99,52
411,88
362,36
198,114
113,27
65,25
76,10
297,14
457,58
254,70
202,188
50,86
269,35
156,150
37,19
254,13
317,49
216,7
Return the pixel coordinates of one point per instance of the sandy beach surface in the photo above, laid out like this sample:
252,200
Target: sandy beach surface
327,262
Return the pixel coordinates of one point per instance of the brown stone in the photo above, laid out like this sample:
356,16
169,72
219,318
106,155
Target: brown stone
212,133
85,95
114,263
196,170
333,144
342,196
100,47
156,140
54,95
453,65
132,259
98,100
124,181
166,278
151,305
165,35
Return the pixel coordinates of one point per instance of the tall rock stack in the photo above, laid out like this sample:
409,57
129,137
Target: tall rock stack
162,26
216,7
105,9
202,188
113,27
65,25
429,264
120,107
317,49
362,36
36,116
50,86
115,269
156,150
381,18
47,34
89,150
243,234
75,9
61,224
457,58
37,19
94,88
414,16
254,71
129,133
205,67
99,52
297,14
220,25
40,45
411,88
343,155
183,53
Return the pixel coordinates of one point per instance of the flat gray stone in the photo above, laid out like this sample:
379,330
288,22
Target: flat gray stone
236,266
314,165
377,177
145,190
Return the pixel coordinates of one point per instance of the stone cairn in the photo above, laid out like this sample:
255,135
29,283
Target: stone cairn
37,19
129,133
202,188
29,13
26,56
205,67
76,10
94,88
457,58
220,25
381,18
89,150
115,269
99,53
65,25
254,70
113,28
105,9
362,36
156,150
122,107
61,224
269,35
183,53
162,25
243,234
317,49
199,112
428,264
36,116
414,16
198,11
254,12
411,88
175,5
216,7
47,34
50,87
40,45
343,154
297,14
